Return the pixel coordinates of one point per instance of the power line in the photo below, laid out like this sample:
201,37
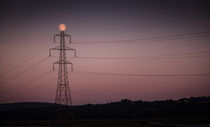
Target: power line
175,36
26,60
14,88
39,86
132,27
20,57
21,99
115,29
166,56
27,69
32,89
141,75
142,57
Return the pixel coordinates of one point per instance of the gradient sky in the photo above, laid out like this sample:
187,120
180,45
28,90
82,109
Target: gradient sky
27,28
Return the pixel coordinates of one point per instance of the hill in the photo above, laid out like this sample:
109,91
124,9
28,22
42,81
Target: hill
124,109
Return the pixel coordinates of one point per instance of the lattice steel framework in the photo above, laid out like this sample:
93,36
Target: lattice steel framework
63,94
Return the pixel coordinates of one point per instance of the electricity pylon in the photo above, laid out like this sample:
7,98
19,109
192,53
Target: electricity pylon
63,94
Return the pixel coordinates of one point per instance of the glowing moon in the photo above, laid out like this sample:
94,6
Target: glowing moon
62,27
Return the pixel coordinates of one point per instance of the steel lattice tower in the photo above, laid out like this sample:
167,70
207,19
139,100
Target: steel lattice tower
63,94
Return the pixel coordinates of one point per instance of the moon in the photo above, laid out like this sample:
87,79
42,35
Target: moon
62,27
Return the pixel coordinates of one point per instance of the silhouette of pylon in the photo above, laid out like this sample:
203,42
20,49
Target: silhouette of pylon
63,94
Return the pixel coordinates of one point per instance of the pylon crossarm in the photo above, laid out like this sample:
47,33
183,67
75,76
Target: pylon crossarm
55,48
71,66
55,36
54,65
71,49
67,35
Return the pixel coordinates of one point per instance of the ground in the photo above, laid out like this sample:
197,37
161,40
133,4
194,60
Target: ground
154,122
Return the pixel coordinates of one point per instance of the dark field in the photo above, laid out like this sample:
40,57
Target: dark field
154,122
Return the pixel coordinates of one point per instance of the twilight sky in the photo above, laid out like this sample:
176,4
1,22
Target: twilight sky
163,42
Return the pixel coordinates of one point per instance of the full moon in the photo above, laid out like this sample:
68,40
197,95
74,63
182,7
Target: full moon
62,27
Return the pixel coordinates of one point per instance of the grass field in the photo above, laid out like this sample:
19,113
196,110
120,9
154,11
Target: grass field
154,122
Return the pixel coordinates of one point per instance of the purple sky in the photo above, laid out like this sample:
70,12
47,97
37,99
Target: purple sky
27,30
